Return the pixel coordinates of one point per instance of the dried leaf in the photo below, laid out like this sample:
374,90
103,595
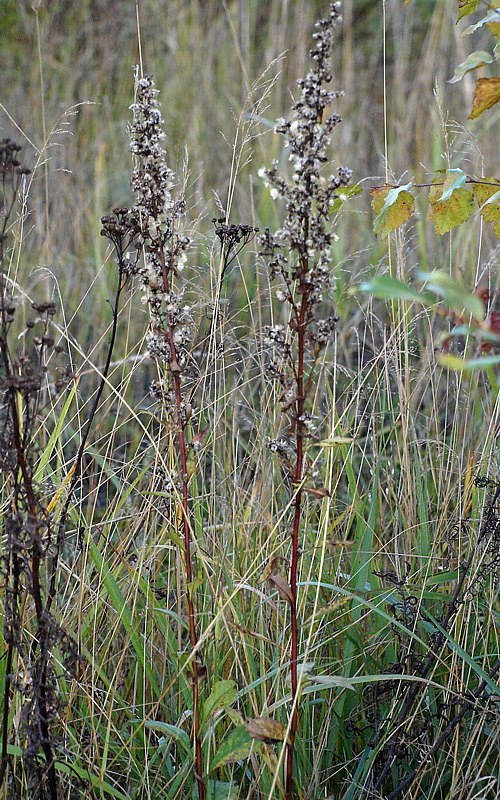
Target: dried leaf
317,491
272,568
486,95
282,586
336,441
265,730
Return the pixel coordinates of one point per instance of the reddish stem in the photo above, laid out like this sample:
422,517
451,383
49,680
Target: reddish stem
299,433
186,535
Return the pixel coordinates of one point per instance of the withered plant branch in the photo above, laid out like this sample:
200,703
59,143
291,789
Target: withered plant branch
465,706
427,666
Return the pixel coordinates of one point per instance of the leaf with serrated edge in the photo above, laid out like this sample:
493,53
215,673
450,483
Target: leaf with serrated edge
466,7
393,208
488,199
448,214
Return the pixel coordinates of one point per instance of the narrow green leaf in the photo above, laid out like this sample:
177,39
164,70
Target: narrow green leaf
169,732
456,296
221,696
477,59
468,365
386,288
66,768
47,453
235,747
329,682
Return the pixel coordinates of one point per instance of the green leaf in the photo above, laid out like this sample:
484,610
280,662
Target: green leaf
393,208
475,60
386,288
466,7
451,212
235,747
221,696
453,293
169,732
455,179
218,790
486,95
488,199
491,17
329,682
343,195
468,365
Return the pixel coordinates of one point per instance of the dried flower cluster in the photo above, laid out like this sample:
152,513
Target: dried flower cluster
310,194
157,212
299,255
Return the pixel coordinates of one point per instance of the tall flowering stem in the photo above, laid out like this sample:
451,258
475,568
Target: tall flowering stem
299,257
157,216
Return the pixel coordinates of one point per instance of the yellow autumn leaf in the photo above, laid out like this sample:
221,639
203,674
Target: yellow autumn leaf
486,95
449,213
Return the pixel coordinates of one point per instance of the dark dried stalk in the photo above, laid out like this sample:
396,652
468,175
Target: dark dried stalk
489,529
26,521
299,254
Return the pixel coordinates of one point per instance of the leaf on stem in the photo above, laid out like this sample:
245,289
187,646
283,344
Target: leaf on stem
486,95
235,747
488,199
265,730
456,208
393,207
221,696
282,585
473,61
